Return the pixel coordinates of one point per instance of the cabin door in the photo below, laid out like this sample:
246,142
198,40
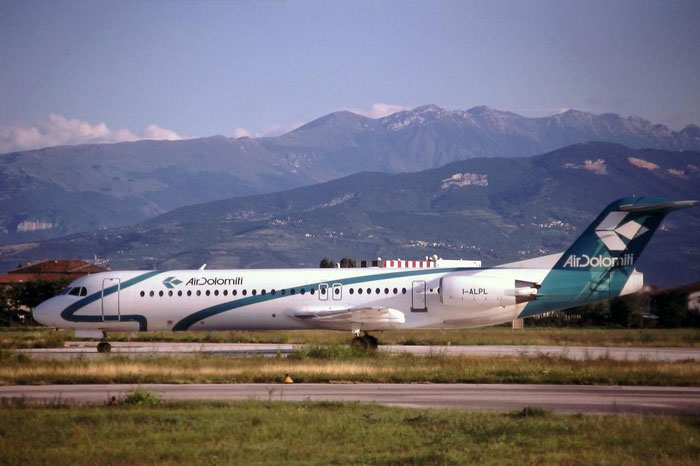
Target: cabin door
110,299
418,296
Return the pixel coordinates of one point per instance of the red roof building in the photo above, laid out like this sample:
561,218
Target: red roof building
51,270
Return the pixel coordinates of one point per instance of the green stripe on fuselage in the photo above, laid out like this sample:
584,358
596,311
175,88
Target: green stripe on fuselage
191,319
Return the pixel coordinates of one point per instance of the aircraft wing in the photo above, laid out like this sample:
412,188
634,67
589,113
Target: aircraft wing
356,315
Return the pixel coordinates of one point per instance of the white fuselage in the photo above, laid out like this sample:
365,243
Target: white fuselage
282,298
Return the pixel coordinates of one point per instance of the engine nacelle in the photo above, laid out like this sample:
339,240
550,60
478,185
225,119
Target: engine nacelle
469,291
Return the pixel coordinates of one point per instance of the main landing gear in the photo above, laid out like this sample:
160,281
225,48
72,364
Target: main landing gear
104,346
366,341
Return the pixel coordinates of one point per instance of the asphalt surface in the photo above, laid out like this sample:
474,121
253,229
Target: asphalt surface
491,397
135,349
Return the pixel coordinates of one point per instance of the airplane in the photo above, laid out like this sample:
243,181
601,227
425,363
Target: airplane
432,294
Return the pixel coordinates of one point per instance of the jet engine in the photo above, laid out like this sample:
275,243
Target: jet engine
484,292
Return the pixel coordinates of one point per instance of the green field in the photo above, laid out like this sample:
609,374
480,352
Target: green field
321,364
333,433
46,338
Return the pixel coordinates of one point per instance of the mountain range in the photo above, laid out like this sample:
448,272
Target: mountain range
493,209
57,191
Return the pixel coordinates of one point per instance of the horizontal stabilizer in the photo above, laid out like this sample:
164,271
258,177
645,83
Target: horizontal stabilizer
657,207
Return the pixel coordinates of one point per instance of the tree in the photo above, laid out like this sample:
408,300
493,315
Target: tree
671,308
18,299
326,263
346,262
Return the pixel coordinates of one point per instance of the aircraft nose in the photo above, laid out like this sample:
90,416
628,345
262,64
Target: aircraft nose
42,313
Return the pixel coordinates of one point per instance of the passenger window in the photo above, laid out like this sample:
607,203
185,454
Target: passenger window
312,291
403,290
273,292
284,292
303,291
189,292
234,292
352,291
160,293
170,293
143,293
377,291
255,292
262,292
244,292
216,292
179,293
369,290
396,291
151,294
386,290
225,292
359,291
199,292
293,291
208,292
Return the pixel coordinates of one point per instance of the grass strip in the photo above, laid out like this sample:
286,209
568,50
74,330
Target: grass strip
47,338
344,364
147,432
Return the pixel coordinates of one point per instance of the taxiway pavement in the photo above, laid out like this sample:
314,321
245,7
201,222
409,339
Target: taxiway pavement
135,349
492,397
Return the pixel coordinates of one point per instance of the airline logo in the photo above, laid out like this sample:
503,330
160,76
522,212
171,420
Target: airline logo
201,281
171,282
611,231
584,260
615,234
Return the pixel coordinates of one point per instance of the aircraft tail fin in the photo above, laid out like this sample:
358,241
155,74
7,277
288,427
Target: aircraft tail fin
600,263
617,237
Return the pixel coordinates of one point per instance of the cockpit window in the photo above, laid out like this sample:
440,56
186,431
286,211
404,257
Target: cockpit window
66,291
77,291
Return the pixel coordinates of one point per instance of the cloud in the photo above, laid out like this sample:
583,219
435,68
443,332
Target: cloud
59,130
271,130
156,132
378,110
241,133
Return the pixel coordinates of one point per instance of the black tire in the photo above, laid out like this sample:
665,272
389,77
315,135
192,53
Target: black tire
104,347
359,343
372,342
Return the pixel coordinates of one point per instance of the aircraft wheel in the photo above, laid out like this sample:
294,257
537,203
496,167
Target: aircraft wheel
365,342
359,343
372,342
104,347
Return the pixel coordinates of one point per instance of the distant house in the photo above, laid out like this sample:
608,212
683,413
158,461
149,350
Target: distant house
52,270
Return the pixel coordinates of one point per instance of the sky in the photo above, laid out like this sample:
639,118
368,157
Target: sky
94,71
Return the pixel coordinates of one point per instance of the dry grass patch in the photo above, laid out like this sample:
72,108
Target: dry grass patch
346,365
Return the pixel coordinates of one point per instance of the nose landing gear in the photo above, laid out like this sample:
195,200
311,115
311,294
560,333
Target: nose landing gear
366,341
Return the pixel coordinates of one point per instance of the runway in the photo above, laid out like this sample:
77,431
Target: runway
136,349
491,397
